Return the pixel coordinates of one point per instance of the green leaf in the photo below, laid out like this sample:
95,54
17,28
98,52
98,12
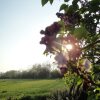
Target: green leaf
43,2
66,0
75,7
98,88
51,1
75,2
63,7
70,9
80,32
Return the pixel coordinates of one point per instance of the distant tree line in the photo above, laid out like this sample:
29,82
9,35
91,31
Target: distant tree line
36,72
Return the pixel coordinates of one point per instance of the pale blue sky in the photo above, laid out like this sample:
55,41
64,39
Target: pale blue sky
20,24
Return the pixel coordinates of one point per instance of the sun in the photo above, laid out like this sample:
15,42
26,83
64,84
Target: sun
69,47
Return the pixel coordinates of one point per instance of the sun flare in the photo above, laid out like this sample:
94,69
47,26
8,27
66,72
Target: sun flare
69,47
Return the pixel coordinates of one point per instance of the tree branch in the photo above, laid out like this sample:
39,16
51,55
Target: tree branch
90,45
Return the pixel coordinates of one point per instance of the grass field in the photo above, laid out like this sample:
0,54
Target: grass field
20,88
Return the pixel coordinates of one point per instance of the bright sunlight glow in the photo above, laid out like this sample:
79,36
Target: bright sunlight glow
69,47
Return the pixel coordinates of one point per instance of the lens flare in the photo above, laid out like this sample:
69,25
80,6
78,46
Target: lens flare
69,47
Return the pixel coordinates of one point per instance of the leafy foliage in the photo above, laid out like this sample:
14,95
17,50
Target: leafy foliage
44,2
63,7
51,1
75,43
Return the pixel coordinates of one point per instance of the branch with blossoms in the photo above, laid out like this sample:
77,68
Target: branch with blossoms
75,41
66,47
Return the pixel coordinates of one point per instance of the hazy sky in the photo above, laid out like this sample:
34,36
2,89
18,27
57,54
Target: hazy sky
20,24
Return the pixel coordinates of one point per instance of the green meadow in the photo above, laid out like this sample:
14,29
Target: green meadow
16,89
